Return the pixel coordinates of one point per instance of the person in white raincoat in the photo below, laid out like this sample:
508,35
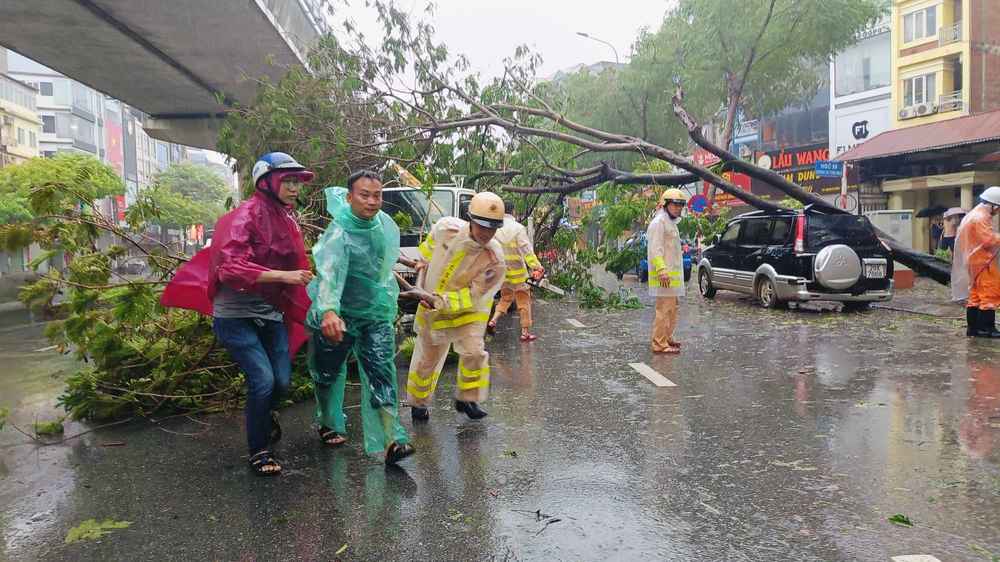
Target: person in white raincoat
975,271
465,270
666,269
520,256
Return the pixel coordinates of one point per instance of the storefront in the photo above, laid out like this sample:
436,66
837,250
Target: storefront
945,164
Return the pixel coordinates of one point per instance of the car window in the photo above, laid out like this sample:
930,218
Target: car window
853,230
757,232
731,233
464,201
782,228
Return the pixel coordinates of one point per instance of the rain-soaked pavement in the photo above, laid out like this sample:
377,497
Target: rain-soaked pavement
791,435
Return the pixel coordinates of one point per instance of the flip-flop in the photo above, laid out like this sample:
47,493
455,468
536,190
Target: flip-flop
264,460
331,438
528,337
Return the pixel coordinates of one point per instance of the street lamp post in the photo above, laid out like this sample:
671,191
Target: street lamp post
592,38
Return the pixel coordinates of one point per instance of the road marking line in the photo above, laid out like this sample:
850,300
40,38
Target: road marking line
575,323
653,377
915,558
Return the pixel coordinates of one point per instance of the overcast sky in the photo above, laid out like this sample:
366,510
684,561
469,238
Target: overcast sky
488,31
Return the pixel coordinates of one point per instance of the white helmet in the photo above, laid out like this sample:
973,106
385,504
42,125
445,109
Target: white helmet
991,195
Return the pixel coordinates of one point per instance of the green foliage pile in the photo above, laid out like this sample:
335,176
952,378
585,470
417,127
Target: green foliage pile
137,358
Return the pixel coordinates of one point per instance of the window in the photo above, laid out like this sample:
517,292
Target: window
48,153
732,233
421,214
919,89
823,230
464,201
48,124
33,139
920,25
782,229
45,88
864,66
757,232
20,136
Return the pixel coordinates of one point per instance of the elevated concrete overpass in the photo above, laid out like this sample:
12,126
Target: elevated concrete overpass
183,62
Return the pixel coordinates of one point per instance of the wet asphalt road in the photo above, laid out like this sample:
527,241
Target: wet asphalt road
791,435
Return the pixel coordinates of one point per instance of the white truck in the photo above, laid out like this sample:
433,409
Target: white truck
416,211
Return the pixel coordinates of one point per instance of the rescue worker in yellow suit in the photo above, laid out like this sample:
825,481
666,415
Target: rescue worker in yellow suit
666,268
975,270
519,255
465,269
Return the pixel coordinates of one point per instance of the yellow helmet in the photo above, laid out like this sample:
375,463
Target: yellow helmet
673,195
486,209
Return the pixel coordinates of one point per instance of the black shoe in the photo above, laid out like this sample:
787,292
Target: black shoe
971,321
419,414
397,452
470,409
988,324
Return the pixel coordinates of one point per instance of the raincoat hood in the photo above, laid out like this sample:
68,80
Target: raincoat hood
973,254
260,235
354,260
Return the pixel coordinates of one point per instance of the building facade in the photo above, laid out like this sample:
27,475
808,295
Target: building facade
944,110
20,124
71,113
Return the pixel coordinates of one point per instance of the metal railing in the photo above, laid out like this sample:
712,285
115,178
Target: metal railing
950,34
951,102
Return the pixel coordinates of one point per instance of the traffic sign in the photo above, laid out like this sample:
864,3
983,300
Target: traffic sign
829,168
698,203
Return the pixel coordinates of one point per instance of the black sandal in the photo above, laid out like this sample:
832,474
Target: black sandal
264,460
331,438
397,452
275,435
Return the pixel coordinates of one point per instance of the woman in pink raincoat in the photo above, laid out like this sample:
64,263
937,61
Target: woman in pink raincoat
252,280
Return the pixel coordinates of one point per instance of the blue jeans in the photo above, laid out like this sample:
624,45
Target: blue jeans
260,348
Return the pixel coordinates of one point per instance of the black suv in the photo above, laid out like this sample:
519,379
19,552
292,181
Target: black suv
799,256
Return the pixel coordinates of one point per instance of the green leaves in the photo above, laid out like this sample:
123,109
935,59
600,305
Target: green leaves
901,520
92,529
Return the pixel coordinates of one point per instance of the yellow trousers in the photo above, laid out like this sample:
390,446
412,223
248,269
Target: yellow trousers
664,323
428,360
522,296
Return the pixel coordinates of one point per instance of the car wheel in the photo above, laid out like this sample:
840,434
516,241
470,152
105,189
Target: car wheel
766,294
705,284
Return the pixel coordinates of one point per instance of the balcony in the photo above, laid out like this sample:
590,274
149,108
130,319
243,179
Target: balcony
950,34
951,102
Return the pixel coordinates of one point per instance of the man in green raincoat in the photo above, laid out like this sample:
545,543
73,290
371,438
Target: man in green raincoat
354,309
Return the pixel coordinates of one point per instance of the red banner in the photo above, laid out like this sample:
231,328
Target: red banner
120,207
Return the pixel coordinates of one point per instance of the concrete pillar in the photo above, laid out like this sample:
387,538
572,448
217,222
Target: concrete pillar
967,201
895,201
921,227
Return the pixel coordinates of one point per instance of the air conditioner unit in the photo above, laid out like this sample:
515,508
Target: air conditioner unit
928,108
907,113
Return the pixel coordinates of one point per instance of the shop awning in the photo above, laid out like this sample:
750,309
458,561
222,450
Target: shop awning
972,129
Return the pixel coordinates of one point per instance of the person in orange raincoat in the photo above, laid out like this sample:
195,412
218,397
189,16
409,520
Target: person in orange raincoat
975,274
